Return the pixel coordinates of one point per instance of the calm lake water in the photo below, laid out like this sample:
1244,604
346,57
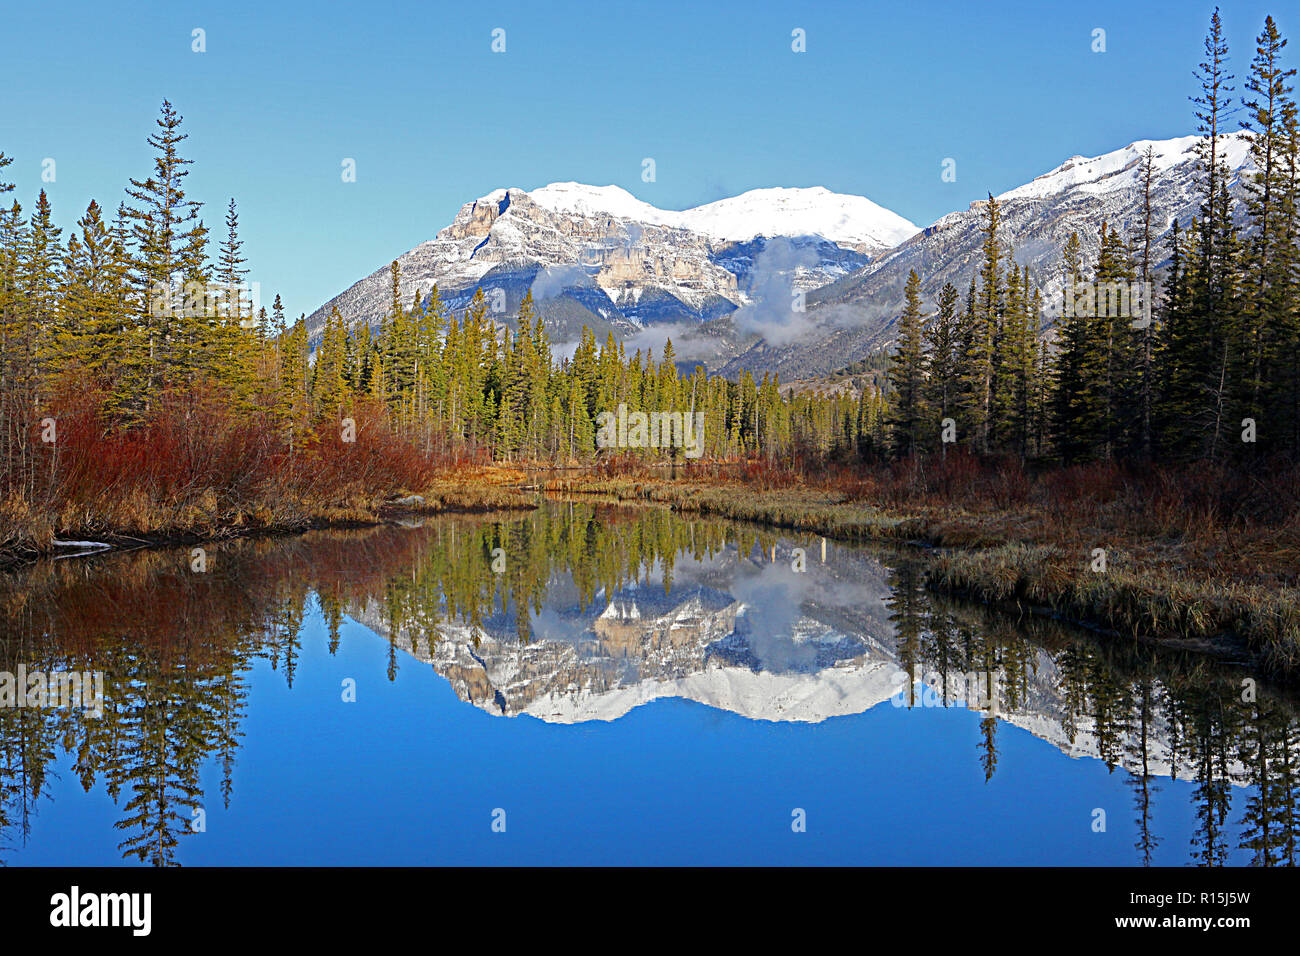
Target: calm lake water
591,684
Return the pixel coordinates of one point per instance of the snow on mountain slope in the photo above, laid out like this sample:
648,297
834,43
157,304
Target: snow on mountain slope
850,318
583,200
600,257
779,211
1121,168
847,220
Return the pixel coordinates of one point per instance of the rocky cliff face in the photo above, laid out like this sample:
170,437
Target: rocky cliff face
722,279
597,256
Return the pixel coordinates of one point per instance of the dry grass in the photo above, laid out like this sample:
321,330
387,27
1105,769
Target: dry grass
1132,599
1202,556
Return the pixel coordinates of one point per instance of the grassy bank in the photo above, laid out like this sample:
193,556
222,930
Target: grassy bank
443,497
1205,561
1201,558
144,499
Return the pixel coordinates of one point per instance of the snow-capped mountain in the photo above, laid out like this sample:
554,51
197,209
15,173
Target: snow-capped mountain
721,279
851,317
852,221
597,255
1121,169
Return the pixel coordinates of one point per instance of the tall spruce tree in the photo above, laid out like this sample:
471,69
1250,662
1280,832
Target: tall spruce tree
167,234
986,318
1264,347
907,373
1070,399
943,384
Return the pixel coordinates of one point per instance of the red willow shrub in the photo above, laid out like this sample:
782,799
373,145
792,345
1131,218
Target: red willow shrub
193,464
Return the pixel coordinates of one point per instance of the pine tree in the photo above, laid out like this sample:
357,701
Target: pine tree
1284,391
1146,374
984,317
1111,357
329,389
91,332
230,269
167,234
1205,344
907,373
1014,364
40,278
1264,346
942,341
512,422
234,336
1070,400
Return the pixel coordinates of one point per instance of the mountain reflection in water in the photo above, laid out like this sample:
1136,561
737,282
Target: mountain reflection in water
581,613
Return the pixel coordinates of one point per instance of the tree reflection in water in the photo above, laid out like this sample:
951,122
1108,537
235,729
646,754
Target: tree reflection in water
176,647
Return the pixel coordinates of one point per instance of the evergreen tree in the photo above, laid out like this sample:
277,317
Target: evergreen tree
92,329
1145,371
1265,344
907,373
167,235
1070,399
984,314
943,346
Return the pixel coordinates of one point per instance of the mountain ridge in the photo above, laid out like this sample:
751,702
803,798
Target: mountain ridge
796,281
597,255
854,316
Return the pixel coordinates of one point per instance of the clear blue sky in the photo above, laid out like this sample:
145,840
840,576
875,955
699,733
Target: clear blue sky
433,118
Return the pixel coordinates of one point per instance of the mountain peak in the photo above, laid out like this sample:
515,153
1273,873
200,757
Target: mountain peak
601,257
772,211
585,200
1120,168
793,211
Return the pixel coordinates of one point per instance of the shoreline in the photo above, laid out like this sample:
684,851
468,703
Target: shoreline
442,498
1179,607
1187,608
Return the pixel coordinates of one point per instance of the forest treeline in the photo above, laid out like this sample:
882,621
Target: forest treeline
134,364
1212,371
136,369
